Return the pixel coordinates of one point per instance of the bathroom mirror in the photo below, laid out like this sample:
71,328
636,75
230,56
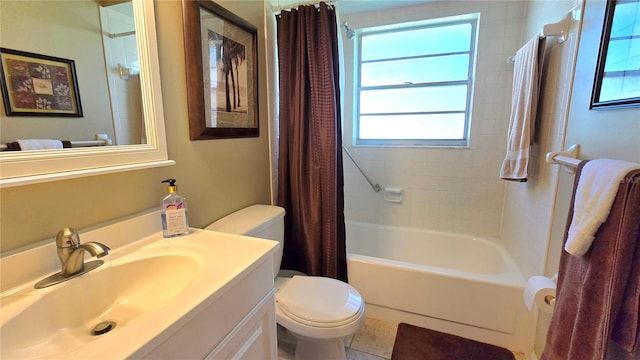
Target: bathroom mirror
616,83
148,150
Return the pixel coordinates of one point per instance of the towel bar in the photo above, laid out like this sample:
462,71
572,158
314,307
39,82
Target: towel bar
561,28
568,158
558,29
101,140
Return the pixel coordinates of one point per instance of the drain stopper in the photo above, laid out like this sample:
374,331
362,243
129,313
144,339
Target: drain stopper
103,328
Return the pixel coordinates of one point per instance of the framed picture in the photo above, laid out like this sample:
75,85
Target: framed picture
222,72
617,78
38,85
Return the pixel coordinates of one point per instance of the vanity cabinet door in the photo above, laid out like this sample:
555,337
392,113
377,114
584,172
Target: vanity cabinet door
226,322
254,337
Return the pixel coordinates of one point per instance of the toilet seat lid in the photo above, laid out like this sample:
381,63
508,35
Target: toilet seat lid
319,300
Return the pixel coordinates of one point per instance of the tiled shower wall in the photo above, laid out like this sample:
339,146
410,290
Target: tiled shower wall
528,209
454,190
126,100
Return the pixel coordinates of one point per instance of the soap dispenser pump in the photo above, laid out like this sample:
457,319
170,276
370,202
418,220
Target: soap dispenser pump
175,221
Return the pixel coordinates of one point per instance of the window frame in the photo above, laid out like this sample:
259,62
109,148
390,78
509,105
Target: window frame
472,20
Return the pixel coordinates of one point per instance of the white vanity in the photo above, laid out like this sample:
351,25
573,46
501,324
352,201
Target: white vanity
205,295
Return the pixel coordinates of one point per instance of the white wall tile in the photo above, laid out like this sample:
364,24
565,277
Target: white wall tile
445,189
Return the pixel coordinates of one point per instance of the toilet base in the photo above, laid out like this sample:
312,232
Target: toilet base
320,349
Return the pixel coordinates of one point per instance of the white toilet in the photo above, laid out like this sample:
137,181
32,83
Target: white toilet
318,311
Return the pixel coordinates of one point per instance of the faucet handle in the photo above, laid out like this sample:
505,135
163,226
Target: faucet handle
67,237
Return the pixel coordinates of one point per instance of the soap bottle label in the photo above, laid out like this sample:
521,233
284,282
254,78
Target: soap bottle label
176,219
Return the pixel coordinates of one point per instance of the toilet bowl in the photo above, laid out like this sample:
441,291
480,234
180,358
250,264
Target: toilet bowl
318,311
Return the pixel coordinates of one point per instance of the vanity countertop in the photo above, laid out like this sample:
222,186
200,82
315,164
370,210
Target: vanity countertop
150,286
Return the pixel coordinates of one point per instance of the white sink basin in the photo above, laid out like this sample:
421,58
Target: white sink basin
143,288
118,293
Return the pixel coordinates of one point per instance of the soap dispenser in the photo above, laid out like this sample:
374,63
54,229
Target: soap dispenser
175,221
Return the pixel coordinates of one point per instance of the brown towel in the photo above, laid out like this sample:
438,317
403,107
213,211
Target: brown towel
626,332
13,146
597,294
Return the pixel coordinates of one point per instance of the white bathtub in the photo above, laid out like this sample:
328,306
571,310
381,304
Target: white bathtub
450,282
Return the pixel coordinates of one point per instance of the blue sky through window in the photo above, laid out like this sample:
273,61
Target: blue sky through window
414,83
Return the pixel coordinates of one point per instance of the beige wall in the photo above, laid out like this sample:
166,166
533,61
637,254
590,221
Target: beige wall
528,215
216,176
528,207
601,134
55,28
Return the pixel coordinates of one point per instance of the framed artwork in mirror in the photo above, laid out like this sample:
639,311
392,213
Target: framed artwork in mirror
38,85
222,72
617,79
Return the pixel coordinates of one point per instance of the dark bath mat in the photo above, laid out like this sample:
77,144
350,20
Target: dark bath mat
416,343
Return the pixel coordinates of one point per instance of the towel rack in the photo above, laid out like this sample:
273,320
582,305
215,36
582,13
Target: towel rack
568,158
558,29
101,140
561,28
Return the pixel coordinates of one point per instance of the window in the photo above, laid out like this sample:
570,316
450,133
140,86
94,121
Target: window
414,83
617,81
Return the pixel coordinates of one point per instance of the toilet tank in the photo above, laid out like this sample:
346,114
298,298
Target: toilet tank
260,221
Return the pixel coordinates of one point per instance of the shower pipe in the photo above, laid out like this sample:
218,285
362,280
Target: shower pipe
375,187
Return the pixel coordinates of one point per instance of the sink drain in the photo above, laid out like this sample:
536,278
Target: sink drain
103,328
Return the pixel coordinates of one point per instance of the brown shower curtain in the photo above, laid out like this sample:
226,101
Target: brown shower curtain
310,179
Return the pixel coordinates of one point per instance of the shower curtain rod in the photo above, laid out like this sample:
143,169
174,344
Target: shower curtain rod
300,3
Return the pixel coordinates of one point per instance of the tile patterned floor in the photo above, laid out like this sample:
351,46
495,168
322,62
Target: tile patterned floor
373,342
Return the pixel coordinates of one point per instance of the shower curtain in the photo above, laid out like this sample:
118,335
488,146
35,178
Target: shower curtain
310,178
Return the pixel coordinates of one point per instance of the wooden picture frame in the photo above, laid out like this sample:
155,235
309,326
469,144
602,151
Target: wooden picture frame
38,85
221,71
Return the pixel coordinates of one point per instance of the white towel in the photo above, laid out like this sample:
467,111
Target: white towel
39,144
524,102
597,188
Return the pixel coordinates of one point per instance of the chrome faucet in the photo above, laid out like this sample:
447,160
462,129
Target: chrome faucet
71,252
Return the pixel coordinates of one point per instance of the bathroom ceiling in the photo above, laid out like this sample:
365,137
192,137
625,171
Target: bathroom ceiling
357,6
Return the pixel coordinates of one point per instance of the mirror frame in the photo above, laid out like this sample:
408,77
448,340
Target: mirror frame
596,103
28,167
